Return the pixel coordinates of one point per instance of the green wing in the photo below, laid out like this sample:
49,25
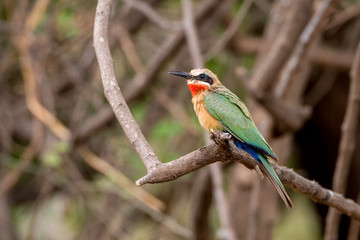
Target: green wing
233,115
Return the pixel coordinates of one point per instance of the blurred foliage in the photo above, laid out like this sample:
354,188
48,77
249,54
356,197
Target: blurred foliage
57,194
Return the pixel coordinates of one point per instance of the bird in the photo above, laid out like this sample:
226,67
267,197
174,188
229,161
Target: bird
218,109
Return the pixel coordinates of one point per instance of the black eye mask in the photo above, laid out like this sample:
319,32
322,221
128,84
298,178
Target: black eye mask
205,78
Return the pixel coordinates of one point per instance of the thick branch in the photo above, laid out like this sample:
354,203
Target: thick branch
222,151
189,163
112,90
318,193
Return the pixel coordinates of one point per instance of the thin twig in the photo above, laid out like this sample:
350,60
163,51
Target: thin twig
176,111
221,201
350,12
281,49
346,146
231,30
151,14
23,43
120,179
13,176
142,80
202,199
323,56
128,48
321,88
159,217
191,34
253,211
298,52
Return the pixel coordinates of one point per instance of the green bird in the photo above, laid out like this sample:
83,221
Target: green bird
217,108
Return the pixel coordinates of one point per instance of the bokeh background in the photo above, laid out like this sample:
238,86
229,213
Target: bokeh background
67,171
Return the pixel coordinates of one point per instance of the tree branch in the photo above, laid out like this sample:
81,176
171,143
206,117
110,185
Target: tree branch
300,48
112,90
191,34
347,145
283,46
221,151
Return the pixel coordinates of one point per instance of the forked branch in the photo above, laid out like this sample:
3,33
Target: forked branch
158,172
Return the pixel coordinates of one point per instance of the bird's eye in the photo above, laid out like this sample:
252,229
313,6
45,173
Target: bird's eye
202,76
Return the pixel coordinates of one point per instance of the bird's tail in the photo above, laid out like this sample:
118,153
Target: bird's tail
267,169
274,179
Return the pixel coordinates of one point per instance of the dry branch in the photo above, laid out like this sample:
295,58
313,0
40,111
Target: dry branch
281,49
300,48
201,201
191,34
142,80
347,144
323,56
112,90
221,201
222,151
151,14
230,31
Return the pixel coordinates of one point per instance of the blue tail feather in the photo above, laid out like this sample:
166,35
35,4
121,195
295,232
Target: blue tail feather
247,148
267,169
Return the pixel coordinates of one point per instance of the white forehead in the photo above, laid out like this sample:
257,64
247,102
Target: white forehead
197,71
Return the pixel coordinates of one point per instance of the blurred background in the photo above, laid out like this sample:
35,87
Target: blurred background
67,171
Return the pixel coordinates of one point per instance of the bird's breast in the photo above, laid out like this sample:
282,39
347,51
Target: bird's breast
207,121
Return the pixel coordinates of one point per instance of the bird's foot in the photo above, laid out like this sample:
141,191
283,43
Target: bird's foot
220,137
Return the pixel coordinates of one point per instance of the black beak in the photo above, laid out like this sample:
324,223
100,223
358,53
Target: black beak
182,74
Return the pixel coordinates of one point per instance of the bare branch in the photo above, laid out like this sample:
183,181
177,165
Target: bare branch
350,12
112,90
354,228
231,30
298,52
151,14
128,47
120,179
212,153
253,211
221,201
318,193
281,49
202,198
142,80
162,172
191,34
323,56
347,144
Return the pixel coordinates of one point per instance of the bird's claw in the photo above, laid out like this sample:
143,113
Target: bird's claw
219,137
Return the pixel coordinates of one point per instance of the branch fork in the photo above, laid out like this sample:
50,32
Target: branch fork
222,151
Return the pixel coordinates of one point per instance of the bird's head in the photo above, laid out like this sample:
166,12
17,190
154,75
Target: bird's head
198,80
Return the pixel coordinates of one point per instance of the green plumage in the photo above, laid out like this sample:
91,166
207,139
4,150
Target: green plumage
233,115
219,109
235,118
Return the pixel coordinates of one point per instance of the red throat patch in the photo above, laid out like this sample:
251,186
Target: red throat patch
196,88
